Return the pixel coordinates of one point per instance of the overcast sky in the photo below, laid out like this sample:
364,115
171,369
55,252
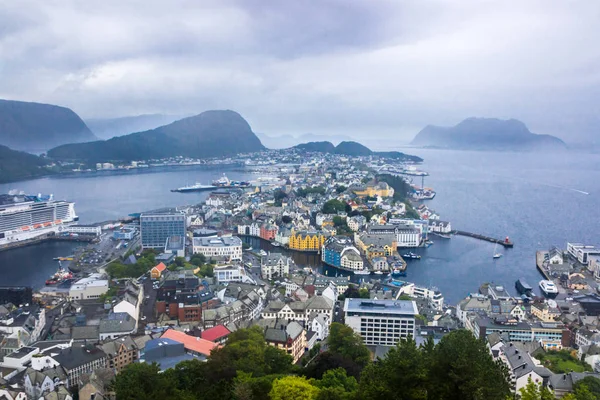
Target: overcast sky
358,68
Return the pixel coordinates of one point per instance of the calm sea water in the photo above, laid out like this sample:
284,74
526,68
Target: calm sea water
536,200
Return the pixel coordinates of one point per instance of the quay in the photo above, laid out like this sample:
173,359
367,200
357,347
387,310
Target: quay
506,243
539,263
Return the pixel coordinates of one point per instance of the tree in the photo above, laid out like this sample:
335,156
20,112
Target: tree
278,196
402,374
340,189
363,293
141,381
198,259
286,219
344,341
333,206
535,391
462,368
179,261
327,361
339,221
591,383
293,388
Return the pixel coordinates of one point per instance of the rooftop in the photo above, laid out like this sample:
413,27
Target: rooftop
217,241
381,306
191,343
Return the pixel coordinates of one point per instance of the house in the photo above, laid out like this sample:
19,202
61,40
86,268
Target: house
157,271
320,325
521,366
78,360
115,325
39,383
120,352
299,310
274,265
165,352
193,345
12,394
306,240
97,385
287,336
217,334
545,313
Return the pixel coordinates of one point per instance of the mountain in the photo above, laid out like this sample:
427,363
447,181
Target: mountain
322,147
353,149
37,127
214,133
17,165
286,141
106,128
486,134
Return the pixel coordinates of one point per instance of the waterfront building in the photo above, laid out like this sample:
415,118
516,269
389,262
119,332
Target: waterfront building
381,322
157,227
306,240
268,231
252,229
95,230
582,252
274,265
407,235
339,251
89,288
373,189
379,245
440,226
24,217
228,247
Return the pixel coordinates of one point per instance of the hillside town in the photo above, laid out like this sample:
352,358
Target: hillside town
186,278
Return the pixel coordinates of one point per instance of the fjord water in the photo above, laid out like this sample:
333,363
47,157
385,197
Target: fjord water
535,199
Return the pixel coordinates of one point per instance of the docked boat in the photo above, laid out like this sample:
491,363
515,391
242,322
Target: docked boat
548,288
276,244
523,287
412,256
496,254
396,272
60,276
198,187
225,182
362,272
379,272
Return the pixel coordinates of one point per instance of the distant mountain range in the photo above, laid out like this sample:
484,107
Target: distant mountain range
286,141
354,149
37,127
214,133
107,128
486,134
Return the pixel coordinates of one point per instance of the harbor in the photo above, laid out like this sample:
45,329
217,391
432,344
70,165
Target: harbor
504,242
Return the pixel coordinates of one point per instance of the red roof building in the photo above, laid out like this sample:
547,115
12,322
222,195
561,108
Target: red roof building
217,334
157,271
192,344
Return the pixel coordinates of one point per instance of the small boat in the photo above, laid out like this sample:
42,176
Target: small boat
548,288
398,272
496,255
198,187
276,244
523,287
362,272
378,272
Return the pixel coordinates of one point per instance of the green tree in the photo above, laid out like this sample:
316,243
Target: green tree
286,219
363,293
535,391
592,384
333,206
179,261
463,369
338,378
340,189
339,221
401,374
293,388
198,259
344,341
278,196
141,381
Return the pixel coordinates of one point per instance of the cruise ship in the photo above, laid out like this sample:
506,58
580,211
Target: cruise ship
24,217
198,187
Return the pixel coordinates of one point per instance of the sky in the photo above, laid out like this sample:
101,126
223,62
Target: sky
364,69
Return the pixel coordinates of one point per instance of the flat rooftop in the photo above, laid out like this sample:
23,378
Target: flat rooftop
407,307
217,241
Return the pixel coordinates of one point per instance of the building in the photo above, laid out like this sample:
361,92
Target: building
231,273
97,385
553,335
124,234
582,252
217,334
157,271
434,296
356,222
274,265
89,288
306,240
545,313
228,247
339,251
80,359
157,227
302,311
268,231
373,189
407,235
115,325
376,245
120,353
95,230
37,384
520,366
165,352
194,345
287,336
175,245
381,322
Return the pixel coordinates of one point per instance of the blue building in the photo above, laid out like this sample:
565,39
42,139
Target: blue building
339,251
157,227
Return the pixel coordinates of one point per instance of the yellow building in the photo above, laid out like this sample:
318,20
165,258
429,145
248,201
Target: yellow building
373,189
376,245
306,241
545,313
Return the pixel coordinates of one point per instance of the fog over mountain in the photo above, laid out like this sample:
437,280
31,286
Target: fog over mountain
366,70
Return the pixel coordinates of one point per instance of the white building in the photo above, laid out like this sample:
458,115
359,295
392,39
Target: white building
433,295
381,322
440,226
356,222
320,325
274,264
226,247
232,273
582,252
84,229
88,288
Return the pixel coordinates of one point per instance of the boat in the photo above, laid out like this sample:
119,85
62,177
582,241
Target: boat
548,288
249,248
276,244
398,272
441,235
523,287
496,254
263,253
362,272
379,272
198,187
412,256
59,277
225,182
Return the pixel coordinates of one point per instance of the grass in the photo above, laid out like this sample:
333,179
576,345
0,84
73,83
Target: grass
562,361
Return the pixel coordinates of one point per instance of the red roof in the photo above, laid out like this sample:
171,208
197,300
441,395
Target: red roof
161,267
215,333
192,343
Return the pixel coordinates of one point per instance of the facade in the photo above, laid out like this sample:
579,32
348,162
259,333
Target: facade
157,271
156,228
301,311
274,264
376,245
373,189
407,235
339,251
231,273
552,334
88,288
356,222
229,247
433,295
544,312
95,230
292,339
268,231
79,360
120,353
381,322
306,240
582,252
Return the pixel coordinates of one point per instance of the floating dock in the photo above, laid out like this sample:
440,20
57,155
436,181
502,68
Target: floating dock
506,243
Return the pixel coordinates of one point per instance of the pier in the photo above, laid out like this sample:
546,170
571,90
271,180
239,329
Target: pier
506,243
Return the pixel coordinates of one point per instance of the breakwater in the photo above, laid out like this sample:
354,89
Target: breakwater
504,242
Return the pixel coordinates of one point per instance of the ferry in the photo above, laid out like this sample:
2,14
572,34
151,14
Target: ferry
523,287
24,217
549,288
362,272
412,256
225,182
59,277
198,187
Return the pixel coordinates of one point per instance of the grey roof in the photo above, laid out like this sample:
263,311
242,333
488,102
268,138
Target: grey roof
117,322
275,335
61,393
294,329
273,258
519,360
37,377
84,332
101,378
217,241
111,348
402,307
77,356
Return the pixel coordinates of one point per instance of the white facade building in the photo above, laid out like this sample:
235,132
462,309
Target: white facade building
381,322
84,229
435,296
88,288
226,247
274,264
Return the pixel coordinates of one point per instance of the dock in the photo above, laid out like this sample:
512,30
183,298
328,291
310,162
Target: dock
506,243
539,263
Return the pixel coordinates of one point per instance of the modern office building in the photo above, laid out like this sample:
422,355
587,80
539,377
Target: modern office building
157,227
381,322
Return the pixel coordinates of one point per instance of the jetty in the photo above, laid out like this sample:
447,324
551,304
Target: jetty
541,265
504,242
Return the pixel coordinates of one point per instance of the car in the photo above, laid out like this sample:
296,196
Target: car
569,299
148,296
143,318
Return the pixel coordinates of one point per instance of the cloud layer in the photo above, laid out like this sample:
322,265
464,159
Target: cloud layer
359,68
